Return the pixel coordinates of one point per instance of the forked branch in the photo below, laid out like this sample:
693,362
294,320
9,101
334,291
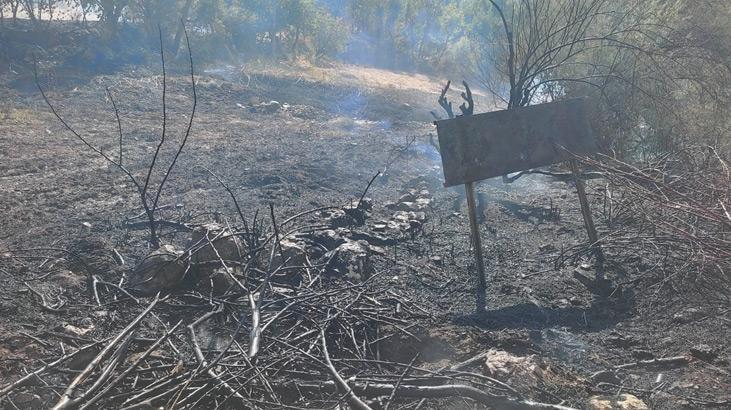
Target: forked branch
149,205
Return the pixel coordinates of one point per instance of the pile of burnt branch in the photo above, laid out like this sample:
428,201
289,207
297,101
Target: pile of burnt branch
239,321
669,219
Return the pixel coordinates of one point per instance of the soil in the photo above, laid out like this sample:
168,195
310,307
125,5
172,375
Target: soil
337,128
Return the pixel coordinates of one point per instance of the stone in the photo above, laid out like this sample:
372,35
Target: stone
547,248
357,214
622,402
329,238
688,315
507,367
372,238
221,281
266,107
77,330
292,254
704,352
162,270
28,400
422,203
340,219
641,354
365,204
664,400
621,340
419,216
351,259
228,246
401,216
605,376
437,260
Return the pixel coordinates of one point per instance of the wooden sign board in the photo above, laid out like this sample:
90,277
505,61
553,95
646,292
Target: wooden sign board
496,143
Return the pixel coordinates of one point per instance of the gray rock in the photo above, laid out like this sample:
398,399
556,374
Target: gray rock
351,259
340,219
221,281
266,107
687,315
704,352
623,401
28,400
605,376
227,246
641,354
162,270
292,254
372,238
329,238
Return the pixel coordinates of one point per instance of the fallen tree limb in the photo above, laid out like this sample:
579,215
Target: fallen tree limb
342,386
131,368
67,400
370,389
27,378
663,361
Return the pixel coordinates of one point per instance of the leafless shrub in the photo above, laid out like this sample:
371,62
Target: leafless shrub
148,199
670,219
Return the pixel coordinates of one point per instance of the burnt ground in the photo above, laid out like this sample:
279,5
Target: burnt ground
340,125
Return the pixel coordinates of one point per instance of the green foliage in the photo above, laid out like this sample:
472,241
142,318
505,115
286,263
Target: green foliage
330,35
660,69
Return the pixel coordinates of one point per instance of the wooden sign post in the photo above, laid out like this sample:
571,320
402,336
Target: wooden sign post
477,147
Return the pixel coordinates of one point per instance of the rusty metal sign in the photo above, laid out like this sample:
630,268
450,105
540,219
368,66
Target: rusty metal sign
496,143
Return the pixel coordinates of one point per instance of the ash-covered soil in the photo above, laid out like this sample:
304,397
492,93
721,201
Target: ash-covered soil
334,130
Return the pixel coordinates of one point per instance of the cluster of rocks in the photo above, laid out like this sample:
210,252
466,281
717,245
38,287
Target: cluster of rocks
530,372
622,401
409,213
168,268
346,248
